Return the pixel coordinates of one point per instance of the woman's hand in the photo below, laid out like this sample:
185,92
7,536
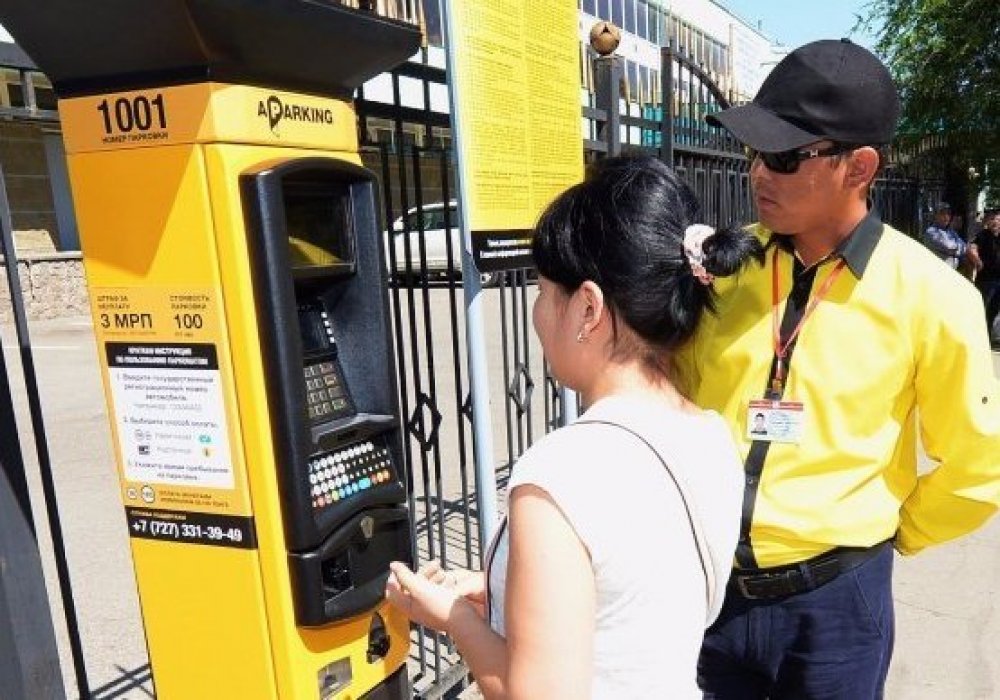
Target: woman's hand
431,595
470,585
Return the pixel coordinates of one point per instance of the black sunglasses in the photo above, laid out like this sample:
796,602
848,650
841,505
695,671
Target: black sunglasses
787,162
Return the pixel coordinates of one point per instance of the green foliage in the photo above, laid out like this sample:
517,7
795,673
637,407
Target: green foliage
945,57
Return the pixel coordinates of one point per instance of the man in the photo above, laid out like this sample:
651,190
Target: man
985,250
843,335
943,239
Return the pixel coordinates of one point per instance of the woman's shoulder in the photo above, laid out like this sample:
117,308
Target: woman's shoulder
572,447
654,421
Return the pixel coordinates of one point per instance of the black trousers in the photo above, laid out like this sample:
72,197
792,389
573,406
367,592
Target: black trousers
831,643
991,298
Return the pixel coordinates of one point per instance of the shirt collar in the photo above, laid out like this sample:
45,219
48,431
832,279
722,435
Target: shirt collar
856,249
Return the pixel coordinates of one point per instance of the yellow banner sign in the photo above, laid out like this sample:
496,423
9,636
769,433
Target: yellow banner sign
516,67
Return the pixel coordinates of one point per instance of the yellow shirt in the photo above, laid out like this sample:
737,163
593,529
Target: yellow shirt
899,333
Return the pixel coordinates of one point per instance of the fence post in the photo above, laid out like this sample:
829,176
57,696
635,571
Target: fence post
29,657
667,108
608,74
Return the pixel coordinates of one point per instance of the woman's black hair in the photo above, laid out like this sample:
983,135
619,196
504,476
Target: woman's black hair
623,228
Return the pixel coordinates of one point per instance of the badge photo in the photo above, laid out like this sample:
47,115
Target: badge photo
775,421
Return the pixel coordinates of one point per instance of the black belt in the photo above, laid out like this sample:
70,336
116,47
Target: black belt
784,581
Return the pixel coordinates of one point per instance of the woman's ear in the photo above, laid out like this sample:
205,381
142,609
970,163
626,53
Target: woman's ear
591,309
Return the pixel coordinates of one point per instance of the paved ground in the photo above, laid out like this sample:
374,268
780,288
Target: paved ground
947,599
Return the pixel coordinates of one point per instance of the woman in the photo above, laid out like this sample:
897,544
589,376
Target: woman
621,526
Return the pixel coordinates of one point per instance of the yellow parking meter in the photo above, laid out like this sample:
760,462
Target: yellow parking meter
234,262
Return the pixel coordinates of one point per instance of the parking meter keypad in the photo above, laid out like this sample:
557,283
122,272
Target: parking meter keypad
326,396
338,475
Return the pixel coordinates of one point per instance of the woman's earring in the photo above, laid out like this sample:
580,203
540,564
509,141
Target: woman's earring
579,337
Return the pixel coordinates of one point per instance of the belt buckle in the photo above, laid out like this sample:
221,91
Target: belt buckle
741,584
782,577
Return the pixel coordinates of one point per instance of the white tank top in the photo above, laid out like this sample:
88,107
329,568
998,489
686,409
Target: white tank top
650,582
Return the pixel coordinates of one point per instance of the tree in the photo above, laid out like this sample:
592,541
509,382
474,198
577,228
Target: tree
945,57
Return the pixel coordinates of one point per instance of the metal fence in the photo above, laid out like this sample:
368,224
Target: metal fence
409,148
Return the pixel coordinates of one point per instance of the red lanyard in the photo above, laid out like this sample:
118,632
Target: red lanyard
781,348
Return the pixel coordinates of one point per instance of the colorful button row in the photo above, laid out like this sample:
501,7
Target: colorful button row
327,480
323,496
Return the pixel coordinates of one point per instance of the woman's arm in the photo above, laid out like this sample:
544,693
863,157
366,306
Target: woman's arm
549,609
550,602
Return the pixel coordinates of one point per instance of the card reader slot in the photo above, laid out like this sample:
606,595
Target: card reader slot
338,432
345,576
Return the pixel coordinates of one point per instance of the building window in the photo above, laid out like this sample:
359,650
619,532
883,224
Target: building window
629,16
11,90
45,97
617,12
432,22
604,9
590,7
655,17
441,138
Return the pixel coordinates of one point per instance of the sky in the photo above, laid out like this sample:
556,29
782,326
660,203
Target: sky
796,22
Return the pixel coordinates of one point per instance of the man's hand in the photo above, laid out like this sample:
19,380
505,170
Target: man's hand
972,255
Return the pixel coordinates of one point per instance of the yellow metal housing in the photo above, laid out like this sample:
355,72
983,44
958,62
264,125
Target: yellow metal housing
162,230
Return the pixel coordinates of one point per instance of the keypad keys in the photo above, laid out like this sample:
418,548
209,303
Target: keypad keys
326,397
350,470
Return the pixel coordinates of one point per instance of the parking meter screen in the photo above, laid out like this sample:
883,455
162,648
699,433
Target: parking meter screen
315,336
318,220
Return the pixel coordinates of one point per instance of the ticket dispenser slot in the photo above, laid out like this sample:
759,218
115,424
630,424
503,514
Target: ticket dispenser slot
321,301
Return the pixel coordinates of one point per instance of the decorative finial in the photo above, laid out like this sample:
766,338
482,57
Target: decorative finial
605,37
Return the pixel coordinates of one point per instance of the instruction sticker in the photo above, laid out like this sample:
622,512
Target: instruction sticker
171,414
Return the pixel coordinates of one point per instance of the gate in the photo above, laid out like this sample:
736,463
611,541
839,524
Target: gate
409,148
27,668
408,145
709,160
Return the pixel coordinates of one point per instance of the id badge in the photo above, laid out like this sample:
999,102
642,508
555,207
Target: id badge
775,421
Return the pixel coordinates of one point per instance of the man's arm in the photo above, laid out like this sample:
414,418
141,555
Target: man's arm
958,401
943,243
973,255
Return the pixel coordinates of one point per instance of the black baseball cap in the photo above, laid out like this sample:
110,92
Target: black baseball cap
830,89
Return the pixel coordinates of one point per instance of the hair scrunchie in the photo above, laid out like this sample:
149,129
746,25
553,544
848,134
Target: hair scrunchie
695,236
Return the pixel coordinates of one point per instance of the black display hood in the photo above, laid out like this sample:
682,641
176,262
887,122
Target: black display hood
315,46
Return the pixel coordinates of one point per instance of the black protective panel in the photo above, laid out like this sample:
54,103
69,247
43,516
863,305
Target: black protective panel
395,687
346,575
306,45
328,359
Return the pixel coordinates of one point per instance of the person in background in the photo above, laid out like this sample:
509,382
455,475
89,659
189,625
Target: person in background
943,240
847,333
621,527
986,251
